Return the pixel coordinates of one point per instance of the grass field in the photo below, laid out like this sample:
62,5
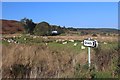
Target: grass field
45,57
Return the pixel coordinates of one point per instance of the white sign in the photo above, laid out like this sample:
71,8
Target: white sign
90,43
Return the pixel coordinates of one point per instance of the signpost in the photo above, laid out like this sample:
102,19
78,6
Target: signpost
90,43
89,62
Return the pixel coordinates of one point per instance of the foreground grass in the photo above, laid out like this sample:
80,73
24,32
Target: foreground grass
69,46
57,57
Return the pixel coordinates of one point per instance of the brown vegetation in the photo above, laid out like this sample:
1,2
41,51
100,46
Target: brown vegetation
10,27
99,38
39,61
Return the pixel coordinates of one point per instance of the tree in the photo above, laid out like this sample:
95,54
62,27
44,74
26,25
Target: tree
43,29
60,30
28,25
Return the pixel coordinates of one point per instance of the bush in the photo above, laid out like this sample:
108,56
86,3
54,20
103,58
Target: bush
42,29
20,70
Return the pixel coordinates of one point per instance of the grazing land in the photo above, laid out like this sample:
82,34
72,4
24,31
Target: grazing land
61,56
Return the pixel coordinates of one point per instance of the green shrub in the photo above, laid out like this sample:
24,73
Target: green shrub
43,29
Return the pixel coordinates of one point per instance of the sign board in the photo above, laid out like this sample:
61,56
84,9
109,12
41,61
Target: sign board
90,43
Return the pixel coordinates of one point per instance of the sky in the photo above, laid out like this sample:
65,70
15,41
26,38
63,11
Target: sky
60,0
68,14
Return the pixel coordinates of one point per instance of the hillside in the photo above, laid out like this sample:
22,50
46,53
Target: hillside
100,30
11,27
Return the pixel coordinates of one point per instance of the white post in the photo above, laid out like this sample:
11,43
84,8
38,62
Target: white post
89,62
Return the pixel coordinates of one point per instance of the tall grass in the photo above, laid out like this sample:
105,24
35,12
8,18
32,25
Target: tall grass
106,59
59,60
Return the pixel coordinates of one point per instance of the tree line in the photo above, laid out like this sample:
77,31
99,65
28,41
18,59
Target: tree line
40,29
45,29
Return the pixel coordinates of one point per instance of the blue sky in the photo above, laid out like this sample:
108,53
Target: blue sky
69,14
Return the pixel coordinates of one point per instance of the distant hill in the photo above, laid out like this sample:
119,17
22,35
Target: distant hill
99,30
13,26
10,27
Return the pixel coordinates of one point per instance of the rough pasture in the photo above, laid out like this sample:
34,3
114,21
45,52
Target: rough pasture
47,56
